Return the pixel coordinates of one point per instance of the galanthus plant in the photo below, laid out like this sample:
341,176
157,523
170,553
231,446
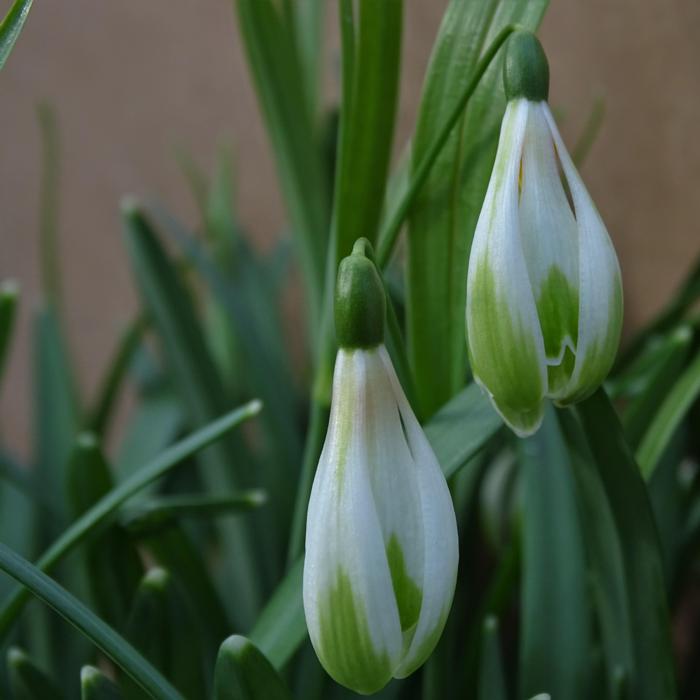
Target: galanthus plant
387,509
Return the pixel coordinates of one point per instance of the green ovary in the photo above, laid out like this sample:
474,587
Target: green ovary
503,354
408,595
345,645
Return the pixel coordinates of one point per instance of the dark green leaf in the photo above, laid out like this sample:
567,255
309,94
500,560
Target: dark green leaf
86,622
445,212
94,685
11,26
554,601
162,627
669,416
27,681
492,682
105,509
243,673
9,295
654,675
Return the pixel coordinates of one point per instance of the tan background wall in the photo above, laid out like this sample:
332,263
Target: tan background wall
131,80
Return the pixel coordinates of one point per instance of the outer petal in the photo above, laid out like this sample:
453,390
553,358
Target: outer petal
549,239
349,602
439,533
600,285
505,341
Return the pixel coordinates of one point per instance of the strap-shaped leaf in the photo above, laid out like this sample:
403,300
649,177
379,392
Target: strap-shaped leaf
9,295
11,26
86,622
492,682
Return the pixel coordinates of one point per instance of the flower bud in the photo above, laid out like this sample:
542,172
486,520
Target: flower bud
381,535
544,290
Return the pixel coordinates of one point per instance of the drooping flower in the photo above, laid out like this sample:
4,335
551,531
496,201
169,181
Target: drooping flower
381,537
544,291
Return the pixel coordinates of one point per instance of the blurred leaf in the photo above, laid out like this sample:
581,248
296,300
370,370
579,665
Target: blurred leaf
308,20
225,465
95,685
55,406
87,623
654,675
162,626
243,673
371,62
492,682
27,681
456,433
590,132
175,550
11,26
112,562
606,568
276,69
652,381
554,601
446,209
686,296
669,416
9,296
101,513
99,416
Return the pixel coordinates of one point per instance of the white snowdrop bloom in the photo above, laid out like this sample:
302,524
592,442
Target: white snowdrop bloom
544,290
381,537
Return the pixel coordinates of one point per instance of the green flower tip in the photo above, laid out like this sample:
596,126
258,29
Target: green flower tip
525,69
359,300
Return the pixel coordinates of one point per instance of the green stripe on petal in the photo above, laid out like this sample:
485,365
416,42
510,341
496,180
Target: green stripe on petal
345,645
408,594
503,354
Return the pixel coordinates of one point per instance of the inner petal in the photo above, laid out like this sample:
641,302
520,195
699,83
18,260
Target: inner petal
549,239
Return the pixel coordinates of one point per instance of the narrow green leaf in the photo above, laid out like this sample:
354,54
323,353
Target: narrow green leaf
171,309
606,569
162,627
554,601
86,622
672,411
104,510
11,26
9,296
94,685
151,515
243,673
274,62
27,681
654,675
590,133
55,405
112,563
308,18
492,682
445,211
652,382
457,433
368,113
111,384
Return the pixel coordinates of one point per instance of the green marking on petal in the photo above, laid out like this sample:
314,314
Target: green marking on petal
345,645
502,353
425,648
408,595
557,310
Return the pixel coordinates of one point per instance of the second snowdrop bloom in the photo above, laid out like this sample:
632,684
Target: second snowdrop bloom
544,293
381,538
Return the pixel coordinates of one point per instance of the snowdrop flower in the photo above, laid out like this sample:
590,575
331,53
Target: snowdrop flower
544,293
381,536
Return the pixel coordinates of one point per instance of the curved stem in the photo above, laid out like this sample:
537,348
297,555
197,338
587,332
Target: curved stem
390,232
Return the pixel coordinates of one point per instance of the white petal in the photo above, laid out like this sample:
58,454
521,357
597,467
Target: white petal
345,554
439,531
549,238
600,286
505,342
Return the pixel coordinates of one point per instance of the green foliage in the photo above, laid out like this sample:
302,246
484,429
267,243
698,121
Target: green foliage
581,541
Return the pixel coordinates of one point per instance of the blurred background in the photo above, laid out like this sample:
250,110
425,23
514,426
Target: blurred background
132,82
